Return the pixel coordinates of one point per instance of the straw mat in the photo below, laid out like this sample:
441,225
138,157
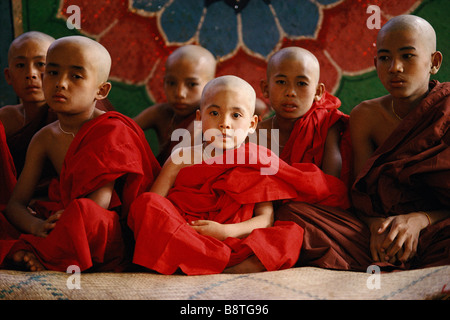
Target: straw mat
305,283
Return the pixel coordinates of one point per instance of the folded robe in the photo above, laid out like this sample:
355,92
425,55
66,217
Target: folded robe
411,172
226,193
306,143
333,237
108,148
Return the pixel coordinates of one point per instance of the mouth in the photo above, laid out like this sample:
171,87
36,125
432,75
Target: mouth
397,82
32,88
59,97
288,107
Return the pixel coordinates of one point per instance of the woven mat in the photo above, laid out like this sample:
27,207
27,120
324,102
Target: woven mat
305,283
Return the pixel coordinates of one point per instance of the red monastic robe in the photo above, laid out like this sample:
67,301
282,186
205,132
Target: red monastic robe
306,143
108,148
226,193
7,170
411,172
333,237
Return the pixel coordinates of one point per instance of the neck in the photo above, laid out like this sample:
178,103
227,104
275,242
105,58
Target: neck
32,110
71,123
403,106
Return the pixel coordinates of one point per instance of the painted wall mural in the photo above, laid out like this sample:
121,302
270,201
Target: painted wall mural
242,34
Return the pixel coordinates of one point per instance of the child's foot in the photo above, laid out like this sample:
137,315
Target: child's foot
28,260
249,265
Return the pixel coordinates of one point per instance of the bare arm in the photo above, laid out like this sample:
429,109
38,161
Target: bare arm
360,131
263,218
332,159
148,118
17,209
166,178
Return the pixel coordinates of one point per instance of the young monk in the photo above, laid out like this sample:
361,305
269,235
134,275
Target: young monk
188,69
103,162
401,151
307,119
26,63
311,129
210,210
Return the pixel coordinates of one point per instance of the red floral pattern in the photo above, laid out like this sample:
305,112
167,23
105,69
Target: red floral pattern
343,43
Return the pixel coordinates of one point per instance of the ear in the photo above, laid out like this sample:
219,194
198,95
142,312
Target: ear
7,75
198,115
103,90
319,91
253,124
436,61
264,88
375,61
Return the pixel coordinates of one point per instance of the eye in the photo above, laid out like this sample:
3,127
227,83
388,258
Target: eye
77,76
280,82
214,113
236,115
302,83
407,56
20,65
41,64
52,72
192,84
383,58
170,83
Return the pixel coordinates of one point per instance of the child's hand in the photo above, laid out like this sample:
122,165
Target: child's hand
43,227
210,228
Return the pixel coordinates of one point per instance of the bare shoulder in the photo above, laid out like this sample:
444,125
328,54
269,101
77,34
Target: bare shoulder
369,111
153,116
266,124
12,118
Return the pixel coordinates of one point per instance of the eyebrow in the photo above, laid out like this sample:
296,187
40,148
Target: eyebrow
23,57
401,49
218,107
52,64
298,77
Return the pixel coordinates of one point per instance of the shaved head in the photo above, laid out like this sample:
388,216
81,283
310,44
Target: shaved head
196,55
418,25
231,83
294,53
31,36
95,53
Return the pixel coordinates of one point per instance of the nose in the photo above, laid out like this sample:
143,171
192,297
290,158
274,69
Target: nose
61,82
225,123
32,72
396,66
290,91
180,91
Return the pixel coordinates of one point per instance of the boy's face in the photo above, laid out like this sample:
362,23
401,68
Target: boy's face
291,87
26,67
71,79
227,117
403,63
183,85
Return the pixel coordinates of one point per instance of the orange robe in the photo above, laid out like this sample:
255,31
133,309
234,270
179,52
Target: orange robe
225,193
108,148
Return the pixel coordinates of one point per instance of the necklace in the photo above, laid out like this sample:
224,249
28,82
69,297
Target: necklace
393,110
71,133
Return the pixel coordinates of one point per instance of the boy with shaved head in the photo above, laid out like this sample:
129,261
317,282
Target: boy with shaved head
26,63
188,69
216,215
103,162
306,117
401,150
